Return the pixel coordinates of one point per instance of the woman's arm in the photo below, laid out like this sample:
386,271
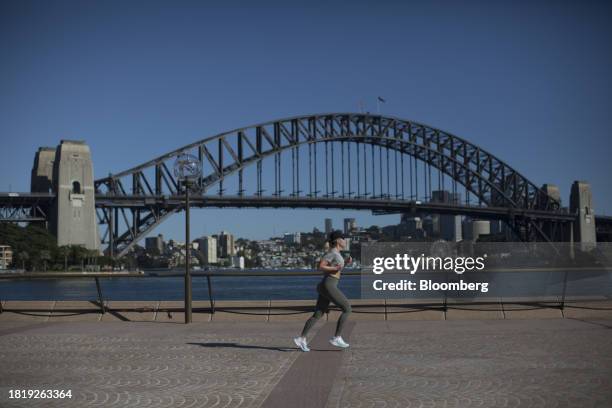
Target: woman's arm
325,267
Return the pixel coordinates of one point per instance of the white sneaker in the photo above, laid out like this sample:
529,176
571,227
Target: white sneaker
301,343
338,341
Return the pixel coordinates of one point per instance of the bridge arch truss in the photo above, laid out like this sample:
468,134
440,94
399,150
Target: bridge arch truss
338,160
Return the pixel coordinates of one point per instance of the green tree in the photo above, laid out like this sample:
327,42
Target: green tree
79,254
31,239
64,252
45,256
92,259
23,256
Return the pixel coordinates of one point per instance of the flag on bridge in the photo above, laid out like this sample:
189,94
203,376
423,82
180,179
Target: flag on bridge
381,100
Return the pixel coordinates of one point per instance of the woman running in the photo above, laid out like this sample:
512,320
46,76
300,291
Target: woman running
331,264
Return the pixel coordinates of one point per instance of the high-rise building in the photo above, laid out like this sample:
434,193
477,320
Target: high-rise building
440,196
431,226
328,226
496,226
410,227
226,244
349,225
448,227
445,196
208,247
155,245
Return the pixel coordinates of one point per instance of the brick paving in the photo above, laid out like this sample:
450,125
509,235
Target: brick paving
391,363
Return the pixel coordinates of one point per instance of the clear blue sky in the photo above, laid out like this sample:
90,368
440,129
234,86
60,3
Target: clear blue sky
528,81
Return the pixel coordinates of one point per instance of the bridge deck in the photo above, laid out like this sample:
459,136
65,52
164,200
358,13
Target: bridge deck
380,205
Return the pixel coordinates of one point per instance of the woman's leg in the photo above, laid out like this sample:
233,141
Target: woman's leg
340,300
320,308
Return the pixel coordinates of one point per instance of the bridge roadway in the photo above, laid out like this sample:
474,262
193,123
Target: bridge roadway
381,205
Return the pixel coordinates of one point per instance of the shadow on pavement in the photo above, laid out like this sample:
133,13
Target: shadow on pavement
236,345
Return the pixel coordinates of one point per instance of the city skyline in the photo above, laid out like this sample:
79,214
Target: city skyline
445,227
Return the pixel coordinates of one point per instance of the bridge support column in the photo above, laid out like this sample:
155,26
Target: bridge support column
73,217
581,204
553,230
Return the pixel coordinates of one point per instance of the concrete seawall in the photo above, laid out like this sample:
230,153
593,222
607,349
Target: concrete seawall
296,310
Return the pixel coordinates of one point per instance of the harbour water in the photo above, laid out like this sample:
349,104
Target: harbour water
172,288
155,287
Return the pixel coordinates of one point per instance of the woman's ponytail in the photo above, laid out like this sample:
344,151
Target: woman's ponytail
326,246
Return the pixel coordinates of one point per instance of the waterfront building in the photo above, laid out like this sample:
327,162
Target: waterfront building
237,262
6,256
155,245
208,248
225,245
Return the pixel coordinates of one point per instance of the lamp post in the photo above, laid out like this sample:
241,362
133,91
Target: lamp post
187,169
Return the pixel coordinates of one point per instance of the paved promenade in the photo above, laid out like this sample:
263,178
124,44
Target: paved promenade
292,310
534,362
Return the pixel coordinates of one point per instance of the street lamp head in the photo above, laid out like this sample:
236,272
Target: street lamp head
187,168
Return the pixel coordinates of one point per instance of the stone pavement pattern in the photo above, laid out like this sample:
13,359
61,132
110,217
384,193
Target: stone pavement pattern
467,363
145,364
528,363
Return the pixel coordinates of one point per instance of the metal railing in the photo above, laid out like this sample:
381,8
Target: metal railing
249,273
141,274
208,274
73,275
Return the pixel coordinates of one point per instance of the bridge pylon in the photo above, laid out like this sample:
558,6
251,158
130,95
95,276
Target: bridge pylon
42,172
581,204
68,172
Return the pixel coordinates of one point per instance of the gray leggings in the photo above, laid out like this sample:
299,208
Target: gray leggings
328,291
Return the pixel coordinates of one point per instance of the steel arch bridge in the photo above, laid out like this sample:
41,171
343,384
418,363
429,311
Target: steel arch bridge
337,160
